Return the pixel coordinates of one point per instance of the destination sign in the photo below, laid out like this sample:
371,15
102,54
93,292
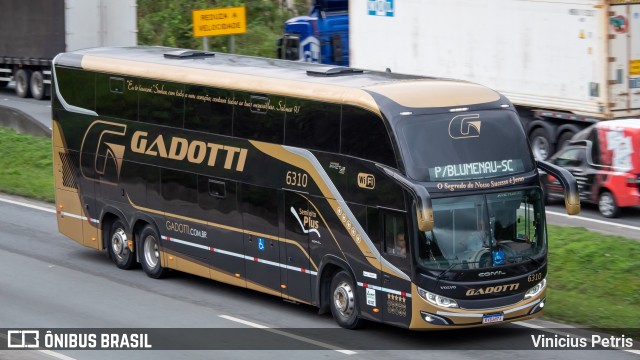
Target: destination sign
476,170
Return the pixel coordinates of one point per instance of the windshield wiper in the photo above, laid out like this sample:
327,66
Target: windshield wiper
442,274
537,262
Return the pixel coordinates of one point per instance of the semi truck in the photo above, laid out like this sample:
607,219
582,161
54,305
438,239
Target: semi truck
564,64
320,37
33,32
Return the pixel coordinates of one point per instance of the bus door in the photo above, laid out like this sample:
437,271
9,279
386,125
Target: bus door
259,206
301,225
395,249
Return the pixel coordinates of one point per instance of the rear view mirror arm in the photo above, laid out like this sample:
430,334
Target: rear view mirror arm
424,208
569,183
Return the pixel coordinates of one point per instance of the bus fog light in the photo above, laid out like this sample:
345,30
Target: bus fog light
434,319
437,300
538,307
536,289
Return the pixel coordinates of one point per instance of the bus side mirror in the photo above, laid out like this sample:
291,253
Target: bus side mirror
424,208
569,183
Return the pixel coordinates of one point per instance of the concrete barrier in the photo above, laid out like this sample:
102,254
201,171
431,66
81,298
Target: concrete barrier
22,122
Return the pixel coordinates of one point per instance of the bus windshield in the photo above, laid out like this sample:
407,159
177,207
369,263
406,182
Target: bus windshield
484,144
483,231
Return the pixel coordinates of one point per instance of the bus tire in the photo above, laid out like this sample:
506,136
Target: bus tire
541,144
118,247
150,257
343,304
23,80
607,205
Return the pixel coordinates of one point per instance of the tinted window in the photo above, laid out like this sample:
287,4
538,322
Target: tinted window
77,87
364,135
313,125
115,101
257,117
179,191
140,180
570,157
208,110
463,146
260,208
161,102
218,198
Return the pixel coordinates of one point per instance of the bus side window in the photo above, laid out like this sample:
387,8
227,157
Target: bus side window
312,125
77,87
364,135
179,192
113,101
394,242
256,117
208,110
161,103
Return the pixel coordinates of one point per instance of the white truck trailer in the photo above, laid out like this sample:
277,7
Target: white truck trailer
564,63
33,32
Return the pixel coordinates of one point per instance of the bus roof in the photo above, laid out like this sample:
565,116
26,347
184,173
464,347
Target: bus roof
281,77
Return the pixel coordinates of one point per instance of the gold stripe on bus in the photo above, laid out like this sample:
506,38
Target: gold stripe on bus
325,223
441,93
195,267
216,225
280,153
234,81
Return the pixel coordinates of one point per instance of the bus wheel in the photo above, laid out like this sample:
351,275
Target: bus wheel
151,253
344,306
607,205
118,247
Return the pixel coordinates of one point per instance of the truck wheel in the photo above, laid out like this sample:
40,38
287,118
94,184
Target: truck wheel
541,144
564,139
607,205
344,306
151,253
23,78
37,85
118,247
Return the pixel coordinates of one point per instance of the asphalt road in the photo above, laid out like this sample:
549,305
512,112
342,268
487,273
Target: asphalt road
50,281
38,109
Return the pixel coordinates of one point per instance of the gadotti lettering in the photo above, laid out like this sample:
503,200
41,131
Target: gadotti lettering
195,151
493,289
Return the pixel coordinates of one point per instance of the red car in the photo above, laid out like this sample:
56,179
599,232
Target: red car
605,159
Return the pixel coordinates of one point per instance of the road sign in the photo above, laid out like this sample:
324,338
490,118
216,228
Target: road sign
221,21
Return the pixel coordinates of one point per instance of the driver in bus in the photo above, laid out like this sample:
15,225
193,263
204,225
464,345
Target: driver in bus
478,240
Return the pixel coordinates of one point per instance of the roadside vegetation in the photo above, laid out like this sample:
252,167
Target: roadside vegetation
26,167
592,277
170,23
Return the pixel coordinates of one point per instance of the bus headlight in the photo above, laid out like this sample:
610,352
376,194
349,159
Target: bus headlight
536,289
437,299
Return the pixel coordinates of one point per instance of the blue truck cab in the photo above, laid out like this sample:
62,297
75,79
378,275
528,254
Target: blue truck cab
320,37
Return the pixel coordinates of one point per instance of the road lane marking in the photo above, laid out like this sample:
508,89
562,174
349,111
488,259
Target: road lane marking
52,210
46,352
602,222
289,335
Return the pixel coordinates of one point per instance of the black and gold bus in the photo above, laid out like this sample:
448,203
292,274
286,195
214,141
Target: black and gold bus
401,199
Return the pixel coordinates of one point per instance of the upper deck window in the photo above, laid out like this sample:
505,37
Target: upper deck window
364,135
478,145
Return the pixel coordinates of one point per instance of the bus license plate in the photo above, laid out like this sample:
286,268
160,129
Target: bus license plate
492,318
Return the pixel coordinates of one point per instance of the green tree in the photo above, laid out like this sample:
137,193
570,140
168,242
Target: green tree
170,23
